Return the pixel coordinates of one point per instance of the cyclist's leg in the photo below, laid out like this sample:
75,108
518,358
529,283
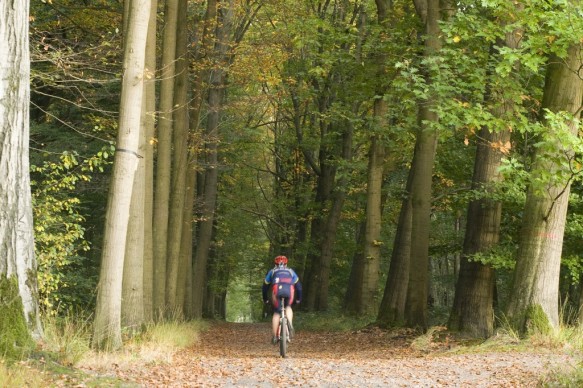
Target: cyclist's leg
275,323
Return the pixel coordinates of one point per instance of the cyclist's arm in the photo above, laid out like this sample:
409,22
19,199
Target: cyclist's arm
266,284
298,287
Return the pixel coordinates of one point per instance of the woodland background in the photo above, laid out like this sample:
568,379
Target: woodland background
393,150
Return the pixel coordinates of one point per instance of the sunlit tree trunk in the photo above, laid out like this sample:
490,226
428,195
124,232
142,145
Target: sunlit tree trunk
179,165
17,261
107,324
164,155
132,312
149,123
535,293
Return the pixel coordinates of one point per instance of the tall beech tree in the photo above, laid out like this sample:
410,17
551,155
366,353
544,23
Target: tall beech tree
164,155
535,293
18,282
107,324
179,163
363,286
473,309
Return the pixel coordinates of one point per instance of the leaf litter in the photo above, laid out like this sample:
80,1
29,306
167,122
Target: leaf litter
241,355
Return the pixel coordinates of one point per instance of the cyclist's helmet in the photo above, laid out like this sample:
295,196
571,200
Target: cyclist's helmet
281,260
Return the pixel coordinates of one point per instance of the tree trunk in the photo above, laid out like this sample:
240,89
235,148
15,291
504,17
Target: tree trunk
422,170
107,324
535,292
179,167
164,155
198,92
331,225
184,281
149,124
353,296
392,309
209,197
132,308
473,308
372,243
17,260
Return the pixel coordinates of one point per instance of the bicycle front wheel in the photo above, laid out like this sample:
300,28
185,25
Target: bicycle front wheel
283,337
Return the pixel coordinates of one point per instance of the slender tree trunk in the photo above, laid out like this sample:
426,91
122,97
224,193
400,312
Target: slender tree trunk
392,309
184,281
422,170
164,155
372,243
535,292
196,104
331,225
149,124
107,324
17,260
209,197
353,294
180,146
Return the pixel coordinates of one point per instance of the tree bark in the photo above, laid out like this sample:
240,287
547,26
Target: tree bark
473,308
149,124
209,197
422,174
107,324
17,259
392,309
179,166
535,292
164,155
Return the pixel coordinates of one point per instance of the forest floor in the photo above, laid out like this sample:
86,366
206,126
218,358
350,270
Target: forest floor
241,355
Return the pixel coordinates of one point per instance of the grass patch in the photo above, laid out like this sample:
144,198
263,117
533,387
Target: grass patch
67,339
19,375
571,378
157,344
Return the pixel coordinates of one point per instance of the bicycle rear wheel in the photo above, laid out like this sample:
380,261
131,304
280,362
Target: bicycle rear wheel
283,337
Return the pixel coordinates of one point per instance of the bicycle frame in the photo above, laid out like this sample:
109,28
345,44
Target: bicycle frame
283,330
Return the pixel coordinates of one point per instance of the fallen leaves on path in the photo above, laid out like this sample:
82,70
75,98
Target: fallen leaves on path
236,354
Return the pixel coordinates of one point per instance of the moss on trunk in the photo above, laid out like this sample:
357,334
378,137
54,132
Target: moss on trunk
15,338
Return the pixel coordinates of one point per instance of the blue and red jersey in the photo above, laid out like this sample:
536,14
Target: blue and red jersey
283,282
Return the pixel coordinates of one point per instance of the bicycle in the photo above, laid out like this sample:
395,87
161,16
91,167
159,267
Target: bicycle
283,330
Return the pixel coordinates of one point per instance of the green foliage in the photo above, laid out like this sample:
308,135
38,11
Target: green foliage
15,339
500,256
59,225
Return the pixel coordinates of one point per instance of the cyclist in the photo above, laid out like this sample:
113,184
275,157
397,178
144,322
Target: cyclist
281,281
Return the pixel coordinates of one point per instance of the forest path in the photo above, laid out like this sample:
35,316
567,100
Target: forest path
241,355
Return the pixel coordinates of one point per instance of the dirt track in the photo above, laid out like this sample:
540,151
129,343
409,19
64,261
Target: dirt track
240,355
